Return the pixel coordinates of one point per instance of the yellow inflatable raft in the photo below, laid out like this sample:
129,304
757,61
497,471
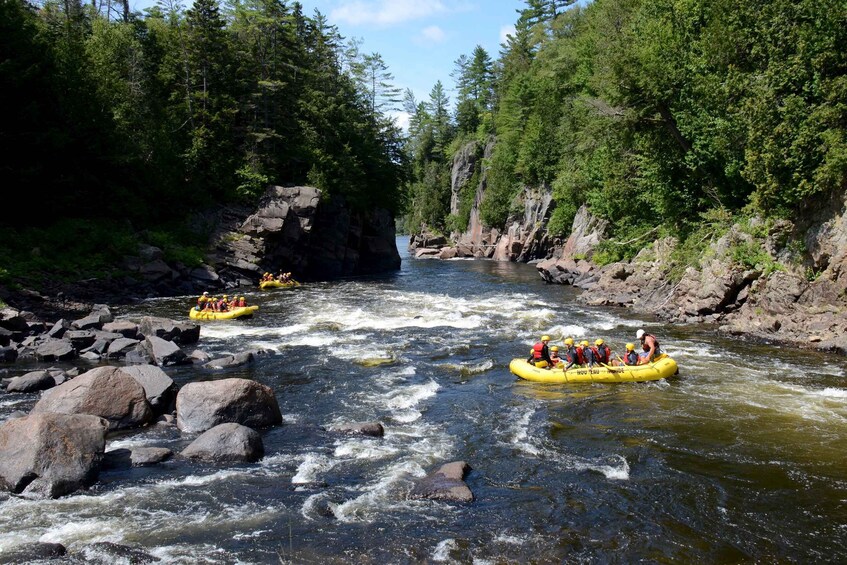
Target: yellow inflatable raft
195,314
278,284
661,368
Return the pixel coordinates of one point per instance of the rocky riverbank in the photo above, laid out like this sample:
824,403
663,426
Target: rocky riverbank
292,229
776,281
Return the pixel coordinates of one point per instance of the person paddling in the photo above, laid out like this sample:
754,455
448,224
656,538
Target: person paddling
602,353
554,356
649,345
571,358
541,354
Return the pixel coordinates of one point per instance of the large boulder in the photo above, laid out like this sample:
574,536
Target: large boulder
31,382
159,388
47,455
227,443
169,330
55,350
107,392
203,405
164,352
33,552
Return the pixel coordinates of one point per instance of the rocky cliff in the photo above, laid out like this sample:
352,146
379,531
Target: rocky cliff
786,283
525,239
292,229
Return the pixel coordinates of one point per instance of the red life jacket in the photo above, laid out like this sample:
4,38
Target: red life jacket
536,350
598,357
580,356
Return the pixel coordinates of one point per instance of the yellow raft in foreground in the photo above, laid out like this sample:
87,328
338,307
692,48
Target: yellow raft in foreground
661,368
195,314
278,284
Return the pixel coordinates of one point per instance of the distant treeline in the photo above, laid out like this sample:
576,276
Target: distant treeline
112,114
655,113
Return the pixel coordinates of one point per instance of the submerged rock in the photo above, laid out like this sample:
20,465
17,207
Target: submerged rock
373,429
445,483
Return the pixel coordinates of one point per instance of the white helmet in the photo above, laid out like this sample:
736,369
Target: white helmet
639,334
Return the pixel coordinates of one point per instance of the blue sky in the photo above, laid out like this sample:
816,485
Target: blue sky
418,39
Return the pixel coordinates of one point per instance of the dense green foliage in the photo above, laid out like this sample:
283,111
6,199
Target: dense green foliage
140,120
654,113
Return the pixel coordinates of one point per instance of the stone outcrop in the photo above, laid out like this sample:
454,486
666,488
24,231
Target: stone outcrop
295,229
571,263
203,405
35,552
49,455
445,483
107,392
159,389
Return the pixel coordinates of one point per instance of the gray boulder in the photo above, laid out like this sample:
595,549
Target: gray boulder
8,354
164,352
55,350
135,457
139,356
169,330
227,443
31,382
47,455
445,483
123,327
203,405
159,388
236,360
58,329
33,552
104,391
373,429
120,347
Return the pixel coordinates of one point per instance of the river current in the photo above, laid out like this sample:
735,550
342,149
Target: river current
742,457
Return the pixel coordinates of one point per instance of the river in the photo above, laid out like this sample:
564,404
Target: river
741,457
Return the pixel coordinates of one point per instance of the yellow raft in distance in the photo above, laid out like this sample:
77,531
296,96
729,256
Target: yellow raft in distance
195,314
661,368
277,284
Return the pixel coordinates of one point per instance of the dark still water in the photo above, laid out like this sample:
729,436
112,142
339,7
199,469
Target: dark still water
742,457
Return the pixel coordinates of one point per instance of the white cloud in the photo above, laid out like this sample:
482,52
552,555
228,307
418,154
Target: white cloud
385,12
401,119
505,31
433,34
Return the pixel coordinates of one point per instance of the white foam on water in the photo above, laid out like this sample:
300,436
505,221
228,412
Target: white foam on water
226,331
310,469
830,392
510,539
410,396
312,505
442,550
406,416
364,450
470,367
8,403
517,432
380,496
612,472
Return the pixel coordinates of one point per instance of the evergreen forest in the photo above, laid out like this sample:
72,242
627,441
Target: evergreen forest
663,116
116,124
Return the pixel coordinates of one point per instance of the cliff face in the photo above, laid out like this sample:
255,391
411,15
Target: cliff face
525,239
795,293
294,230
